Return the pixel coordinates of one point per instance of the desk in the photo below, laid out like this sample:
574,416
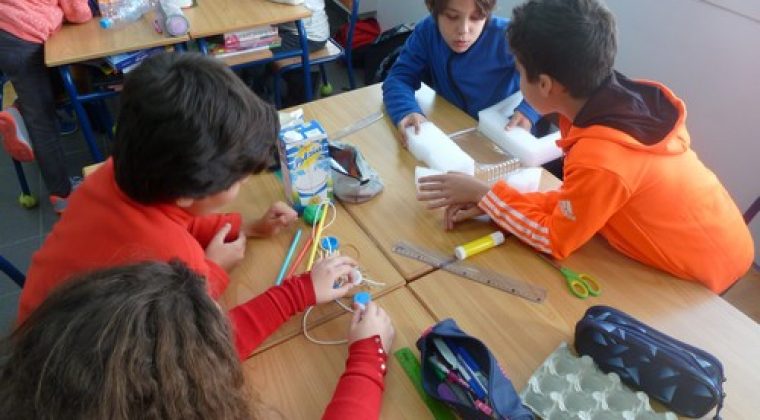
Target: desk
396,165
264,256
523,334
216,17
79,42
297,378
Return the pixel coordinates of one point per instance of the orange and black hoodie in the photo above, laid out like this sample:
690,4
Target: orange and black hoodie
630,175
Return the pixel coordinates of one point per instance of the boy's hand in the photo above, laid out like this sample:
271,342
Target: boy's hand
412,120
326,272
278,216
226,254
456,213
519,120
451,188
373,320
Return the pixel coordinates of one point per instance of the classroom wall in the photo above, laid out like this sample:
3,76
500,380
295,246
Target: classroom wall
707,51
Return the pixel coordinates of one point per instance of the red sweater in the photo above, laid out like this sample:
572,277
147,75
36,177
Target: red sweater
102,227
35,21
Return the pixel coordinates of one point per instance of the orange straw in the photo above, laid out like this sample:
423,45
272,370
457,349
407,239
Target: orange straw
298,260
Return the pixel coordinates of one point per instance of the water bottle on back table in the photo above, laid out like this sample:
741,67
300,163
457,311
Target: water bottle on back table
127,11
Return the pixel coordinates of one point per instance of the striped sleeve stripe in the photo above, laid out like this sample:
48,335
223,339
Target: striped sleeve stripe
538,242
508,214
517,215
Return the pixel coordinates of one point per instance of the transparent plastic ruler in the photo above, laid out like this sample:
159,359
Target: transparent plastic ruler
449,263
356,126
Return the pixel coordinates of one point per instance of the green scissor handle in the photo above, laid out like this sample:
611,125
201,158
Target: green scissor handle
581,285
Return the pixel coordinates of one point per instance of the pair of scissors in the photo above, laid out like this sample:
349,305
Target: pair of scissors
581,285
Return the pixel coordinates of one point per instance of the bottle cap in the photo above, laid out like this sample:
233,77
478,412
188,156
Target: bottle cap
106,23
362,299
460,253
329,243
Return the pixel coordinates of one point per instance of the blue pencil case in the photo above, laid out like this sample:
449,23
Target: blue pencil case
685,379
460,371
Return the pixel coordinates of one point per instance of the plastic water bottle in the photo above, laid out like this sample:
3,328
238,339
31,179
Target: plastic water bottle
171,19
130,11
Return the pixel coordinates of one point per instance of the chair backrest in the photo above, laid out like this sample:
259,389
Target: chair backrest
752,211
11,271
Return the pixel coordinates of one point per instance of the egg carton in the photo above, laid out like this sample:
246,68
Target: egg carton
569,387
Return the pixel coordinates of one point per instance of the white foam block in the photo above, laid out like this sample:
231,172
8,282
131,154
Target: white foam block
518,142
438,151
525,180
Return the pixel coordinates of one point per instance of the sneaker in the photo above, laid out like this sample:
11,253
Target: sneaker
59,203
67,122
15,136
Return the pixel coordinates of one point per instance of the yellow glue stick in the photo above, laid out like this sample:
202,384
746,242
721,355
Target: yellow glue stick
479,245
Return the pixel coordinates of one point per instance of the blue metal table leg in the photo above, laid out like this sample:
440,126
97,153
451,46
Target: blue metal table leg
84,121
305,62
12,272
21,178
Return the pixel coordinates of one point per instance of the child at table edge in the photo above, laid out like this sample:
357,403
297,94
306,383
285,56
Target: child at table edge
629,174
146,341
462,52
189,132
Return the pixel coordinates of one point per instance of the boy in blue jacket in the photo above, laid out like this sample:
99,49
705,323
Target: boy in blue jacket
462,51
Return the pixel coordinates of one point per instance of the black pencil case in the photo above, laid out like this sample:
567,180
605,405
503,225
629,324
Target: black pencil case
501,400
685,379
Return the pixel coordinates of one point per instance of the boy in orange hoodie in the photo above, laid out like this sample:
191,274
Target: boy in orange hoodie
629,173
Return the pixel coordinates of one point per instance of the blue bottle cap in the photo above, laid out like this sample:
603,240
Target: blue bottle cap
106,23
362,299
329,243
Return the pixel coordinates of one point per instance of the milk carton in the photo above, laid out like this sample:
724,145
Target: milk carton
305,164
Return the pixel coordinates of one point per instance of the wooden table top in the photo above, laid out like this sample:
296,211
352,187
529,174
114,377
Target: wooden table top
86,41
215,17
411,222
264,256
522,334
297,378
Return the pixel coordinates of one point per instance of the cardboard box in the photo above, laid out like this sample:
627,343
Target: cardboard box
305,164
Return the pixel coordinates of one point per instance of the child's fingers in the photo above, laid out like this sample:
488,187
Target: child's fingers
222,233
342,290
356,317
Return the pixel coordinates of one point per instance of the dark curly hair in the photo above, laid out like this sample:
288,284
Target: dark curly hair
136,342
189,127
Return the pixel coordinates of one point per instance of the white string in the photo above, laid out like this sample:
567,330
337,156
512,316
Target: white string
337,301
316,341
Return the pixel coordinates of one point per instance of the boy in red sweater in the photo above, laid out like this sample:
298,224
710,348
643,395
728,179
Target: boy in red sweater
629,172
189,132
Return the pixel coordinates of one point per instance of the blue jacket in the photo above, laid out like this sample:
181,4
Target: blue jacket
474,80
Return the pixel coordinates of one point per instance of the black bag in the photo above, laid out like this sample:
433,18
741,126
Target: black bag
685,379
378,57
